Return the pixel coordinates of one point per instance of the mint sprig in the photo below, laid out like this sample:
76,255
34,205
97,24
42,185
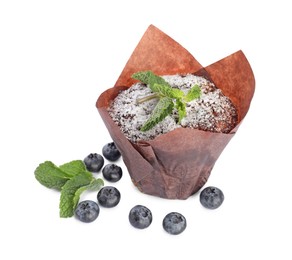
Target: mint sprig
71,179
169,98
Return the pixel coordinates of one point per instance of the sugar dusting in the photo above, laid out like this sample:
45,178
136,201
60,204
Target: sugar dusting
211,112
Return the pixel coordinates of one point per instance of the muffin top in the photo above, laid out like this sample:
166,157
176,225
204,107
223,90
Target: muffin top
213,111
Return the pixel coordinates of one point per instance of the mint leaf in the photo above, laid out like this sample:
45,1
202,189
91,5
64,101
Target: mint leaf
167,91
67,202
49,175
149,78
74,167
161,110
94,185
158,84
177,93
181,109
194,92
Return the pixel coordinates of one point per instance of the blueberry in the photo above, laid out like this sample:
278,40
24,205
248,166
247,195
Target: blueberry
112,172
108,197
87,211
174,223
111,152
93,162
140,217
211,197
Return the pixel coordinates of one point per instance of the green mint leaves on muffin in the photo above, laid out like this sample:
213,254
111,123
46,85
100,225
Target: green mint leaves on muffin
71,179
169,98
163,108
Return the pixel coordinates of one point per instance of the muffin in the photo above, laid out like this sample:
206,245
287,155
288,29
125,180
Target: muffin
175,160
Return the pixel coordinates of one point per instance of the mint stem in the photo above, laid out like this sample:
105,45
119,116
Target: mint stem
147,98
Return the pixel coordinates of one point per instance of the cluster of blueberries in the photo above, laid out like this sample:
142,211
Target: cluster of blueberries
140,216
109,196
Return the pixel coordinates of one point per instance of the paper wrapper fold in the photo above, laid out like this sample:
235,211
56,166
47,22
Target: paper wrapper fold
177,164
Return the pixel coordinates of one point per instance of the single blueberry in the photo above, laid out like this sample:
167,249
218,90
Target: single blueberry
211,197
94,162
174,223
112,172
87,211
140,217
111,152
109,197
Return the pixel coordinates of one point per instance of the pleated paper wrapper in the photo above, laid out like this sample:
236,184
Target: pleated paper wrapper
177,164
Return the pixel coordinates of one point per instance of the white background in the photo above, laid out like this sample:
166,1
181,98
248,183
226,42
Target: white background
56,57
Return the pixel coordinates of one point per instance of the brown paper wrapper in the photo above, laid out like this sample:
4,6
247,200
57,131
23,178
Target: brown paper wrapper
177,164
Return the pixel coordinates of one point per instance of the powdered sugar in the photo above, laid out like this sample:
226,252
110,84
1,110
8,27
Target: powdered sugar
211,112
